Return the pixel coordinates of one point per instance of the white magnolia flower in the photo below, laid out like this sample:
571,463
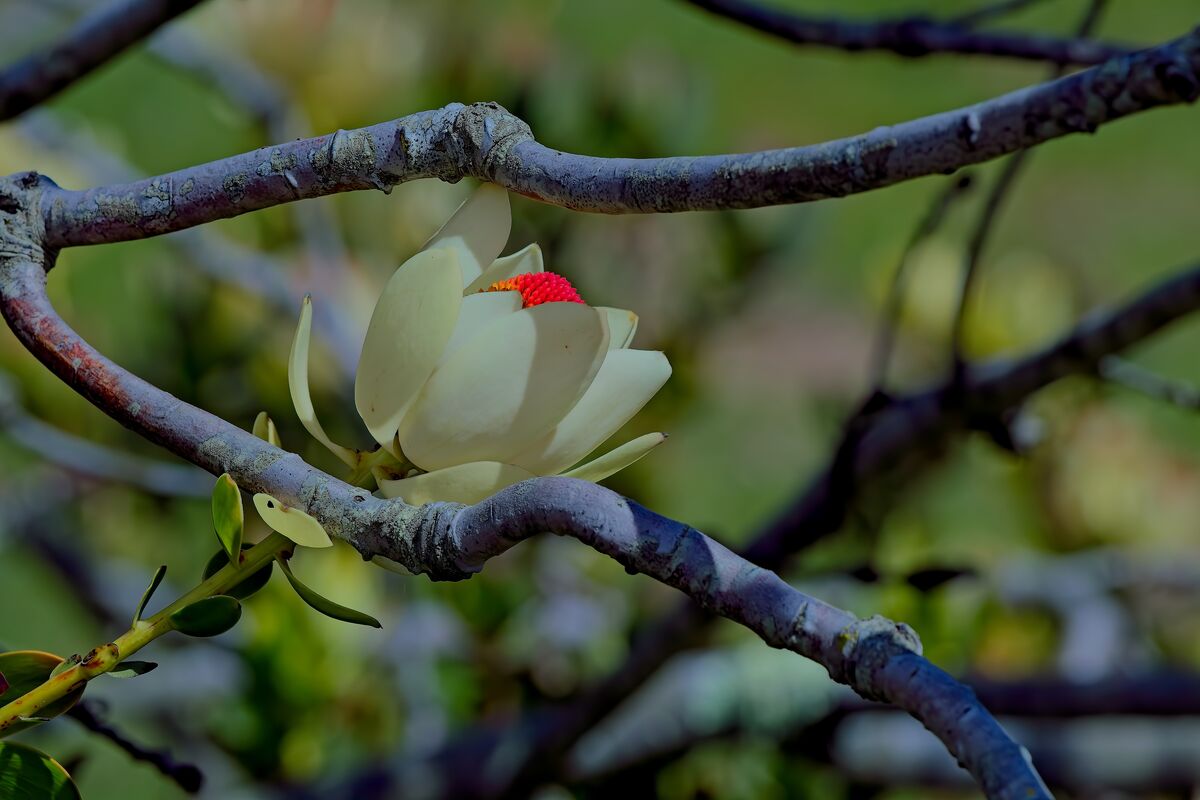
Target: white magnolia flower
478,372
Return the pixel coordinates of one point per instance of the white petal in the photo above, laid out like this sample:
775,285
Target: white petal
477,231
291,522
625,382
464,483
622,325
617,459
298,386
476,313
527,259
507,386
409,329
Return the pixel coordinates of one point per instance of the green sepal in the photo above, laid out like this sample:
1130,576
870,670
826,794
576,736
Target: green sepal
25,670
208,617
229,520
146,595
323,604
248,584
131,669
29,774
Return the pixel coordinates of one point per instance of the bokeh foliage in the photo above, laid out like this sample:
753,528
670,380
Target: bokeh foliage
767,317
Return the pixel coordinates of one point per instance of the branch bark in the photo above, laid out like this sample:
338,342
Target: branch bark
878,658
903,431
912,37
484,141
96,39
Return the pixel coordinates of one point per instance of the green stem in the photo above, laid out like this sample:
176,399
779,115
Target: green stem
104,658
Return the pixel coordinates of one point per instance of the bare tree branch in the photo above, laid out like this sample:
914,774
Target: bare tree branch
187,776
911,37
1139,379
991,210
485,141
91,460
878,658
97,38
263,275
881,355
890,438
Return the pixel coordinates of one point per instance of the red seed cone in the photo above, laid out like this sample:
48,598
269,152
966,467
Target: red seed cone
538,287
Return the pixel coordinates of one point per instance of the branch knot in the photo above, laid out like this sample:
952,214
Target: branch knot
867,645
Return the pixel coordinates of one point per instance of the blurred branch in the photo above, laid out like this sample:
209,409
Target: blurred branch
187,776
92,460
486,142
885,339
1128,374
991,209
97,38
880,659
911,37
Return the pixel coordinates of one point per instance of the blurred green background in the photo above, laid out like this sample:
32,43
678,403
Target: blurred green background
767,317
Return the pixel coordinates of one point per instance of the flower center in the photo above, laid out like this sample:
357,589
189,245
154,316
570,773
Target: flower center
537,288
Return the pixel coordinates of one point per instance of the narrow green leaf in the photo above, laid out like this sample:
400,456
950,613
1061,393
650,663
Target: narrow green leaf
25,670
324,604
146,595
208,617
131,669
3,683
264,428
228,517
29,774
249,583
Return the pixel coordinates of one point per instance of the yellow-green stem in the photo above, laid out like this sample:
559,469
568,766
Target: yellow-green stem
104,658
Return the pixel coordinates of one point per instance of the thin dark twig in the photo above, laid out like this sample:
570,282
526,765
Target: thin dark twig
911,36
893,304
187,776
990,212
96,39
1139,379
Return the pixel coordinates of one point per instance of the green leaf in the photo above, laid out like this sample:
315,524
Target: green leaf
264,428
146,595
63,666
25,670
248,583
131,669
208,617
324,604
228,517
28,774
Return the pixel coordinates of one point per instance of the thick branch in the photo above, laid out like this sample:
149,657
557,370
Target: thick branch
97,38
911,37
485,141
895,435
878,658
